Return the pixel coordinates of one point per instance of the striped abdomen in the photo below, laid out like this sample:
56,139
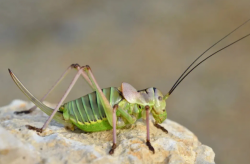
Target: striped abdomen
87,112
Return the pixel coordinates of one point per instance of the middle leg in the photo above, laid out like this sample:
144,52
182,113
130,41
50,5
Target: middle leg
114,130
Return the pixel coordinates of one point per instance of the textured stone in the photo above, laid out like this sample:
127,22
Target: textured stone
59,145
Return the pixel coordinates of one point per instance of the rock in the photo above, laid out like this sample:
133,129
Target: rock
59,145
12,150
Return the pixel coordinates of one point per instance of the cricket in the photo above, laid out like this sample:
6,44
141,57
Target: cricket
110,108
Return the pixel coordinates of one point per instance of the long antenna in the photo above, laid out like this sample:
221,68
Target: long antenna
205,60
174,86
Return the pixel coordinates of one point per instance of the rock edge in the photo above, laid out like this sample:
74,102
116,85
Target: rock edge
58,145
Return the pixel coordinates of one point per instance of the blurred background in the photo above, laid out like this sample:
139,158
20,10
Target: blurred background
144,43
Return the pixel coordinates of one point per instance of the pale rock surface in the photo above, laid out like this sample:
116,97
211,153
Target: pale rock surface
61,146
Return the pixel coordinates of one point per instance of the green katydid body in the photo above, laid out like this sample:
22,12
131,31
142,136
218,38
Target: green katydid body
92,112
88,114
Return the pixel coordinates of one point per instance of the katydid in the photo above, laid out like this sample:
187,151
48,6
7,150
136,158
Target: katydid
109,108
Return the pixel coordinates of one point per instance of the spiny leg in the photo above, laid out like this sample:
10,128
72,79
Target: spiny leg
76,66
58,105
161,127
148,132
114,130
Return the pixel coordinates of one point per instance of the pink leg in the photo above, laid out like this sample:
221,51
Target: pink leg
58,106
114,130
148,133
107,107
76,66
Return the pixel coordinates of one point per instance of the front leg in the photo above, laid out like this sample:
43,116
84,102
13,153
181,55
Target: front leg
148,132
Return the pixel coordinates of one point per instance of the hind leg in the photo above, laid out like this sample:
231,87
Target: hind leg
106,104
58,105
92,82
34,100
74,66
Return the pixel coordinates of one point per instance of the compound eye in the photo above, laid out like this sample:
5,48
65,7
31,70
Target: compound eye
160,98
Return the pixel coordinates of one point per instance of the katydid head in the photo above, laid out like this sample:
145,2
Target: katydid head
150,96
158,109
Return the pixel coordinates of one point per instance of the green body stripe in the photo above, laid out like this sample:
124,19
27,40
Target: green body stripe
94,105
79,110
87,108
95,110
82,111
75,111
100,107
71,113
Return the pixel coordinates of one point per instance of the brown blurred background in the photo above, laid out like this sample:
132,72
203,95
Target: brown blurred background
144,43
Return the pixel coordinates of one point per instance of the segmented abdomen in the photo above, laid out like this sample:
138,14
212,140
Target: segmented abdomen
87,112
